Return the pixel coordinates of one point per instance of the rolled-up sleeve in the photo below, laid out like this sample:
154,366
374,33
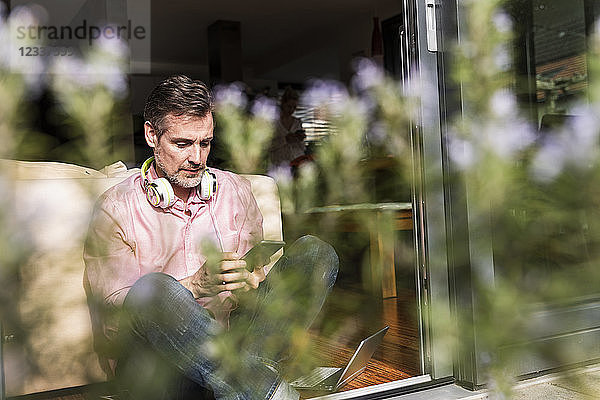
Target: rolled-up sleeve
109,254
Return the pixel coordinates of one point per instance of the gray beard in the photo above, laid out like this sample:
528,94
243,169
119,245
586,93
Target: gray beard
178,178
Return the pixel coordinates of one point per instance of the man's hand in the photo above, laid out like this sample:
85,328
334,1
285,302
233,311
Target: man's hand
230,274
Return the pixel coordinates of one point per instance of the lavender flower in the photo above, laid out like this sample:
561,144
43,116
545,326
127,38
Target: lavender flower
30,68
503,22
368,75
265,108
282,174
232,94
575,144
461,152
323,93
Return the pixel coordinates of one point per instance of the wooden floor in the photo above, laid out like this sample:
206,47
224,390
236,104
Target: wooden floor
397,358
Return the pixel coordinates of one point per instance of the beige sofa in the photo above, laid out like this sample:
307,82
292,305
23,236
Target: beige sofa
53,202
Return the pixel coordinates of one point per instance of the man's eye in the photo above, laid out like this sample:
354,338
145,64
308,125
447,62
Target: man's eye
204,144
181,144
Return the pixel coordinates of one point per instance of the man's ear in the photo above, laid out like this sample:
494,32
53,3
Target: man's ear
150,134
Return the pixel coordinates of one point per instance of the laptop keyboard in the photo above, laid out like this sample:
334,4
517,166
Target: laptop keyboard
317,376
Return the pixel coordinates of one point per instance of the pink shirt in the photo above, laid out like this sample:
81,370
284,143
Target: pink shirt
129,238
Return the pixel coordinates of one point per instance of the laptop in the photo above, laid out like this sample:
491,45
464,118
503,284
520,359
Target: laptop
331,379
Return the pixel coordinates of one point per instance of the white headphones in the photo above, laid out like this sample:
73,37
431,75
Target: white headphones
159,192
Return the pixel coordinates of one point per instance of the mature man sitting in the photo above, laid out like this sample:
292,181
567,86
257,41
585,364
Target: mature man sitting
158,298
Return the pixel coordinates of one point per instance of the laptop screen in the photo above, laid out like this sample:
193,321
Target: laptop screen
361,357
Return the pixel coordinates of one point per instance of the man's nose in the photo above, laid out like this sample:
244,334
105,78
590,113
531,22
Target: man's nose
195,154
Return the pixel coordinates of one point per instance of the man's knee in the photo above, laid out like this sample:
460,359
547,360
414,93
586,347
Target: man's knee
319,255
313,242
318,247
151,290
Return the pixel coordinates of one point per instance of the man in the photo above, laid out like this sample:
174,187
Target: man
158,300
287,144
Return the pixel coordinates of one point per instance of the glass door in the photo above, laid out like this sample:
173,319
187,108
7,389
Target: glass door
528,281
554,48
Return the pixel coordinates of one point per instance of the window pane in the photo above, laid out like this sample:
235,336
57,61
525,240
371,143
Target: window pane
560,54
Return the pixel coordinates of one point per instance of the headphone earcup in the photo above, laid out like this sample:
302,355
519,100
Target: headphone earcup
208,185
160,193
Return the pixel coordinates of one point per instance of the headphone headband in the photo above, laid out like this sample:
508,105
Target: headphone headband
145,167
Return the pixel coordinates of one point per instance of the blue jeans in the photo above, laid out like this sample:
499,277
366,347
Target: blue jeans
169,340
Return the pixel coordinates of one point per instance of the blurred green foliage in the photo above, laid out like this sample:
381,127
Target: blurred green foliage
533,207
534,199
90,93
369,123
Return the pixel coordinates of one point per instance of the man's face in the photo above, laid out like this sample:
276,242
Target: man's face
181,151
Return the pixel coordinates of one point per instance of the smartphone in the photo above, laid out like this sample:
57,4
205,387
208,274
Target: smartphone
261,253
